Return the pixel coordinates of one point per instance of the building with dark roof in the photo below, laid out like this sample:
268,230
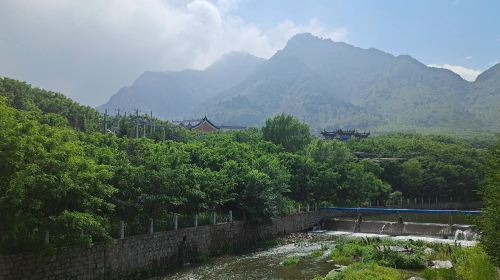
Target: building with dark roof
205,125
344,135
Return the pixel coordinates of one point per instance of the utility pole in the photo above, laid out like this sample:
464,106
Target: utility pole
163,131
136,123
119,120
152,124
105,125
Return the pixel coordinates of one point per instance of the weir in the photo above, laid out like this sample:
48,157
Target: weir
343,220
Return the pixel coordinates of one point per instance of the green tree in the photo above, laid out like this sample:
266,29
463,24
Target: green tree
287,131
412,174
491,212
49,183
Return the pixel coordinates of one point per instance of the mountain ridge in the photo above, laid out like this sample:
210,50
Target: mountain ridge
328,85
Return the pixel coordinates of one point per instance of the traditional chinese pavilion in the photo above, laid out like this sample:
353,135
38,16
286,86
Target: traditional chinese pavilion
205,125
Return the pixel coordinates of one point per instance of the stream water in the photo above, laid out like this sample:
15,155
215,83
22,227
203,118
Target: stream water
267,263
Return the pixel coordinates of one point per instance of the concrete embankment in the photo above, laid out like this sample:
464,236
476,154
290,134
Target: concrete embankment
393,228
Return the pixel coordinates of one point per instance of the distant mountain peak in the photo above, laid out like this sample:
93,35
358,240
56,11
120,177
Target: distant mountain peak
491,73
235,57
309,40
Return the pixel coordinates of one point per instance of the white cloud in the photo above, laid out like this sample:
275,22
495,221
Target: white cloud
466,73
468,57
89,48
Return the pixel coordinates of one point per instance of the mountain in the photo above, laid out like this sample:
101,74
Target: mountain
347,69
328,85
408,93
175,94
286,84
485,97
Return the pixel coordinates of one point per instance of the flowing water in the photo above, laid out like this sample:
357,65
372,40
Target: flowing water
267,263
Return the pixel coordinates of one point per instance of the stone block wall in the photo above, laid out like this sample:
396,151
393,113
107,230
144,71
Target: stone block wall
147,252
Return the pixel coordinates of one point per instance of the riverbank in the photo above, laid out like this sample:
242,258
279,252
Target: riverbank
326,255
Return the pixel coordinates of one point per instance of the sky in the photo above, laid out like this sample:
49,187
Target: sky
89,49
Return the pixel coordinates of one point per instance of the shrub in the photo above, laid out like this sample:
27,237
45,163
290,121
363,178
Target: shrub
439,274
399,260
290,261
319,252
473,264
367,251
367,271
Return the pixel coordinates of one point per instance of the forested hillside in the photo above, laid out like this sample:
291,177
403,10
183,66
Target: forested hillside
68,178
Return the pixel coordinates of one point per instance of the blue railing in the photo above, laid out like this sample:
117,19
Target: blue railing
397,210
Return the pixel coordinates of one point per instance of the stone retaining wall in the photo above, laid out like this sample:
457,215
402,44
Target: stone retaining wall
149,252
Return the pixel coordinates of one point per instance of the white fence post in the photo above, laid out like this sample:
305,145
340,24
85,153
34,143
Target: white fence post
176,221
122,229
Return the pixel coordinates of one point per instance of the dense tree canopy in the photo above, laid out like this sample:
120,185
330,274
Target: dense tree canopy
287,131
78,183
418,165
491,212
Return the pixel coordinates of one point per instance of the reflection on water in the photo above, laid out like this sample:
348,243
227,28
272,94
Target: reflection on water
266,264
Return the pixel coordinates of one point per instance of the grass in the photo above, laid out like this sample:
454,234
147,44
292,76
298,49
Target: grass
366,255
439,274
269,243
319,252
441,251
342,260
290,261
369,250
366,271
473,264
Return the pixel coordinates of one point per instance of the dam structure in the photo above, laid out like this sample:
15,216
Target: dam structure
373,221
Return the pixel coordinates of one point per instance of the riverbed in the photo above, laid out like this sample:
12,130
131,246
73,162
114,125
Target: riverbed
268,263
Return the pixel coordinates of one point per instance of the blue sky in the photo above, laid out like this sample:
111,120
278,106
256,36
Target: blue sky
89,49
456,32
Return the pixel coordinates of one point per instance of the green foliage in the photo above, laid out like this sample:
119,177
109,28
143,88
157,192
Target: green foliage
269,243
50,182
22,96
287,131
490,221
319,252
433,166
291,261
367,271
392,258
473,264
439,274
469,263
379,252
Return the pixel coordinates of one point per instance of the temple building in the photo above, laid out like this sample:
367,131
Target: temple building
344,135
205,125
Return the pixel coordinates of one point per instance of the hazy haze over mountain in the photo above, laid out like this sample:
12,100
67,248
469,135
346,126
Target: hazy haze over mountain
324,83
174,94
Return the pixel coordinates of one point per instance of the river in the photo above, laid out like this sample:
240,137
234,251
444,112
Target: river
267,263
